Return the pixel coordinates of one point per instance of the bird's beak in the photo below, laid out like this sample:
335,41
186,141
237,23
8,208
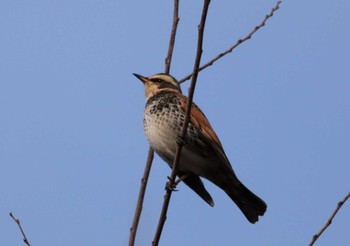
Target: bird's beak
140,77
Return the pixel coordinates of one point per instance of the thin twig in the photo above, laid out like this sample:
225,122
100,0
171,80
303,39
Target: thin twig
142,192
182,136
329,221
239,42
172,37
150,156
25,239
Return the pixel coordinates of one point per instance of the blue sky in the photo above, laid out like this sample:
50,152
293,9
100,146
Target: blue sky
72,147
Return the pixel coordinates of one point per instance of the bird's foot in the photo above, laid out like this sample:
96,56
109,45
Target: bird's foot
170,186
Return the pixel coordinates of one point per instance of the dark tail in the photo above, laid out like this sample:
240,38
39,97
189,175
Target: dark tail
196,184
250,204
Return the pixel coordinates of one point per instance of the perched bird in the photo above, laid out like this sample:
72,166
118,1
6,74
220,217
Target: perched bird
202,155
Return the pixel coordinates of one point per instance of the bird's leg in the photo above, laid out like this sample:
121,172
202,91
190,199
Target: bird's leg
170,187
176,182
181,178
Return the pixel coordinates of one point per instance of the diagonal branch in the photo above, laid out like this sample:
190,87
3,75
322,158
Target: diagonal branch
150,156
176,20
239,42
142,192
25,239
171,183
329,221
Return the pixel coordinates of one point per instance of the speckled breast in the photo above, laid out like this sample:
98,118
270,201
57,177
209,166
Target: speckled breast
163,121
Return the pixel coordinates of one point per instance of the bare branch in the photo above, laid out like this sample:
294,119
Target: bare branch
329,221
171,182
142,192
150,156
25,239
172,37
239,42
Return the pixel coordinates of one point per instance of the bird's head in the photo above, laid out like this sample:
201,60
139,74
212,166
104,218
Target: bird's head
158,82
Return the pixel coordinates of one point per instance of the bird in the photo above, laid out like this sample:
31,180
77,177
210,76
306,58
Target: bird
202,154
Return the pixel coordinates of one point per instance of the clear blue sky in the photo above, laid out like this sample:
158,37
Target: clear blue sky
72,147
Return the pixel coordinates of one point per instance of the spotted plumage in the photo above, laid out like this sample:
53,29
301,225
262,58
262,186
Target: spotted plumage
202,155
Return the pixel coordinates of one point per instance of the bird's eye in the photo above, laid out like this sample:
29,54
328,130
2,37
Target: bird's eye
156,80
